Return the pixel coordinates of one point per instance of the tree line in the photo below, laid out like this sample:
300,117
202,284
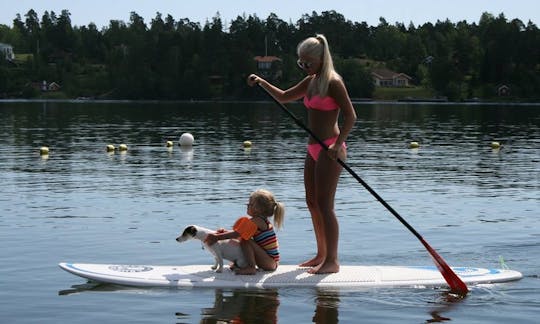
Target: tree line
182,59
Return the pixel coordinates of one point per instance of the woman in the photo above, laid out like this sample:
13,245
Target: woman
325,96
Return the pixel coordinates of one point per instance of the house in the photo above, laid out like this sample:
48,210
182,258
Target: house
45,87
269,67
503,90
383,77
7,50
53,86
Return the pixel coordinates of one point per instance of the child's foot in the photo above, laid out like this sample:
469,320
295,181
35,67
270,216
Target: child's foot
246,271
327,267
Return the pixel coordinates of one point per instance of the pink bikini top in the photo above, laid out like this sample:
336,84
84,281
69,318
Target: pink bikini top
321,103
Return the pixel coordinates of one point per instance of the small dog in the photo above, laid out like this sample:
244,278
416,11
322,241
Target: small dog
224,249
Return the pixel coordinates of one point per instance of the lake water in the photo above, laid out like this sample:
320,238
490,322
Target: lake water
475,205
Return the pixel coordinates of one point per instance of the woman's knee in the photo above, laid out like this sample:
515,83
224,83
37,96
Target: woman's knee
312,203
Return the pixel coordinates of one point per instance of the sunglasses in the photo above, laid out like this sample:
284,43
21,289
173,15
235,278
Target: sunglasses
304,65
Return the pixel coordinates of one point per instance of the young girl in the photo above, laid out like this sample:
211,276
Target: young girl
256,233
325,96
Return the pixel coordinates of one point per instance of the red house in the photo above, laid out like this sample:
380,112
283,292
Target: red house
269,67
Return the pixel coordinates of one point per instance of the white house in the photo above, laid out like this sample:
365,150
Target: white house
7,50
386,78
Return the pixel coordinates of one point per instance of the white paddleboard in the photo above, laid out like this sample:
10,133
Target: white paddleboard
349,276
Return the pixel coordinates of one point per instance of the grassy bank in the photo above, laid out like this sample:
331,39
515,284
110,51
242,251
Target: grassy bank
382,93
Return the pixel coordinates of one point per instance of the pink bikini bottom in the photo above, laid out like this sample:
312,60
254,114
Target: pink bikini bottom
315,149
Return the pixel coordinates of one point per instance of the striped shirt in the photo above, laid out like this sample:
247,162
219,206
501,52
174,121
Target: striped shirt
267,239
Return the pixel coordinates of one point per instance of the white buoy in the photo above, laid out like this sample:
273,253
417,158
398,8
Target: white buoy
169,143
414,145
122,147
110,148
247,144
186,139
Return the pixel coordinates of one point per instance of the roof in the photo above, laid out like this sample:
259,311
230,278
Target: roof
266,58
383,73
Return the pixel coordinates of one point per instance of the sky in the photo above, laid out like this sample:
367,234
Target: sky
418,12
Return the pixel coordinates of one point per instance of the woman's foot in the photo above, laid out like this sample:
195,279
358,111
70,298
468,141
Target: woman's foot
312,263
327,267
246,271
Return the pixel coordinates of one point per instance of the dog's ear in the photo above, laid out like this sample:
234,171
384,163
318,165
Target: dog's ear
191,230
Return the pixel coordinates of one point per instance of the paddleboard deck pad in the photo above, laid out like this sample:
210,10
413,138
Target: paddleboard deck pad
349,276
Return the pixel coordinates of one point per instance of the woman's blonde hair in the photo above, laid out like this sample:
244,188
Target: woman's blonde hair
318,47
264,201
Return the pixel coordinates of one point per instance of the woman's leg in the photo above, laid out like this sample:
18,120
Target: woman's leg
316,217
327,174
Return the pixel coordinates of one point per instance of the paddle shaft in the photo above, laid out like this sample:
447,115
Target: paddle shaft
455,283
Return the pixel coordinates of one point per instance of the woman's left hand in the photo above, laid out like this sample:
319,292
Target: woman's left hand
333,151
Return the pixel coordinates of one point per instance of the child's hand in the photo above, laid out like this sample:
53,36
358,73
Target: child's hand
220,230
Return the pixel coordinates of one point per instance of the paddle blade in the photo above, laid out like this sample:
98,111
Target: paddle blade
456,284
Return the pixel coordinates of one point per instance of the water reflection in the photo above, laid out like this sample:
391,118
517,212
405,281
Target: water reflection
187,153
89,286
243,306
326,307
262,305
446,302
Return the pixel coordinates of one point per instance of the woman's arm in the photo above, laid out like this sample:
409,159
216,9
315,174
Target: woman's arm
338,91
293,93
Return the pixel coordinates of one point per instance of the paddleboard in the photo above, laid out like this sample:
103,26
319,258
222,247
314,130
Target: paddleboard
349,276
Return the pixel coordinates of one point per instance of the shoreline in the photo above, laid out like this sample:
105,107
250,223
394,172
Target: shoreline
357,101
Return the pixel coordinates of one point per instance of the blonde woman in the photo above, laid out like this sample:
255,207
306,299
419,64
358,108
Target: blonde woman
325,97
256,233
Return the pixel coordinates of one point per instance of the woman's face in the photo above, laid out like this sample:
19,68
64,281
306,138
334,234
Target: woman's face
311,65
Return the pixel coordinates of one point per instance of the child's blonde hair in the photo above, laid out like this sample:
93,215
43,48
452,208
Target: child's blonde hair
265,202
318,47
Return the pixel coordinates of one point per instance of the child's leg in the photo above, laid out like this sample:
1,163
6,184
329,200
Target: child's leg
256,256
249,254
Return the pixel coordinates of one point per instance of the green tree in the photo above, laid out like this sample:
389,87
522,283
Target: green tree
357,77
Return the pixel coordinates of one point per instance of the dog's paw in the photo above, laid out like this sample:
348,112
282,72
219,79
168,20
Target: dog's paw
219,270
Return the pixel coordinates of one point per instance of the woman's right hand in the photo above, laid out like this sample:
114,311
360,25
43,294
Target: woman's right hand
253,79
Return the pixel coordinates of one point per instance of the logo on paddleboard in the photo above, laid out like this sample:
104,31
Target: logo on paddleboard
130,268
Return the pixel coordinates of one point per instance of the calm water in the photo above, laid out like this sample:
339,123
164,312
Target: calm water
473,204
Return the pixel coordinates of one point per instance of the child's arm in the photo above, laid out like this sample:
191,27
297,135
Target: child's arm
213,238
243,228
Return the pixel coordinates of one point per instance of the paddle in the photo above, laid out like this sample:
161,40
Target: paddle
455,283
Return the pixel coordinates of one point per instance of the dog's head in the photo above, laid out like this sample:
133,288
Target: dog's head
193,232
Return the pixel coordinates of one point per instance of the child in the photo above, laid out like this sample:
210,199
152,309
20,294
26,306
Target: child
256,233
